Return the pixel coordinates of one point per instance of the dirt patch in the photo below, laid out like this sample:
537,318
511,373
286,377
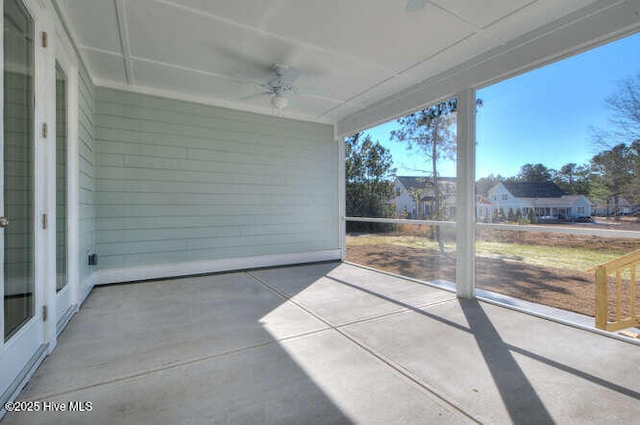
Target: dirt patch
542,238
564,289
559,240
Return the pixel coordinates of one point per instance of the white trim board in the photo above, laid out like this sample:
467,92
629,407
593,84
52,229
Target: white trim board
159,271
85,288
61,23
209,101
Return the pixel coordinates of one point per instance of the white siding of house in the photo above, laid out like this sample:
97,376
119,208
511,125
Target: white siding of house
501,198
497,196
583,203
403,201
182,182
87,182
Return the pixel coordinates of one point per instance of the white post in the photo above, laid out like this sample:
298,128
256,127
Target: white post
342,224
47,146
465,198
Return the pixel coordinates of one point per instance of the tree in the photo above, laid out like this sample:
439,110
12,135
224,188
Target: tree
610,174
567,172
615,174
369,177
633,191
574,179
531,215
494,216
417,194
616,169
518,218
485,183
624,105
535,173
431,131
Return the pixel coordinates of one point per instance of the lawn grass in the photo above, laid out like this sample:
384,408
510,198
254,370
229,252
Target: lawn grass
575,259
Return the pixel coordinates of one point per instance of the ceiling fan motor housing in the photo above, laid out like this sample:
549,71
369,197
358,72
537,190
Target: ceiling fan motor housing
281,87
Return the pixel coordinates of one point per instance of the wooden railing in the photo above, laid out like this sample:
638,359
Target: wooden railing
619,271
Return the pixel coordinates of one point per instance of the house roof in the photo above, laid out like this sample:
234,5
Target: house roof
534,189
414,182
481,200
421,182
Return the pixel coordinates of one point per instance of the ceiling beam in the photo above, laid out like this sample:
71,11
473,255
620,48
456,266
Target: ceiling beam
125,45
72,36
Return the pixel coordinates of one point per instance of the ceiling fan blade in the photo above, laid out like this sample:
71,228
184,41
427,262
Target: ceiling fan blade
291,74
256,96
415,5
245,79
309,91
241,62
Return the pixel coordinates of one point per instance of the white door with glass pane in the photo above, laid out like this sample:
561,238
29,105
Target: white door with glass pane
21,290
63,289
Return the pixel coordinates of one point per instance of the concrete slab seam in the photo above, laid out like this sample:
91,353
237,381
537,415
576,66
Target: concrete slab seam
175,365
410,279
505,305
403,310
399,369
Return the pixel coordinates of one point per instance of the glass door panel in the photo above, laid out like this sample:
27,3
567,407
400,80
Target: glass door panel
18,190
61,179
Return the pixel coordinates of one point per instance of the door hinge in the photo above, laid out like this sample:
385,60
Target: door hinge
45,313
45,221
45,130
44,39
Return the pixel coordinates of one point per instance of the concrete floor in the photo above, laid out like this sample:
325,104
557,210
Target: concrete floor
325,344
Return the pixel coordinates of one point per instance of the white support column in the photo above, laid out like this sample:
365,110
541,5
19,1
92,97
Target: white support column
342,224
465,198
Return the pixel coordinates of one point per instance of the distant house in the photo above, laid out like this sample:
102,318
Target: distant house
483,208
415,196
609,207
546,199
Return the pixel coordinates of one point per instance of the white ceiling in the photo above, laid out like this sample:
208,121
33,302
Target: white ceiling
355,52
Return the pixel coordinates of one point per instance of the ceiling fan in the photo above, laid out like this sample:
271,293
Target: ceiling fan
281,87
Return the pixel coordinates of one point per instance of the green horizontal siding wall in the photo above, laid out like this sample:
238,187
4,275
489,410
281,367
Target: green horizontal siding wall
87,164
179,182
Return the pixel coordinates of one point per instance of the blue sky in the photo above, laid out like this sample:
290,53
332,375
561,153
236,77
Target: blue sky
543,116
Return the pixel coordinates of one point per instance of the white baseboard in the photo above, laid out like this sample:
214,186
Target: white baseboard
21,380
85,287
158,271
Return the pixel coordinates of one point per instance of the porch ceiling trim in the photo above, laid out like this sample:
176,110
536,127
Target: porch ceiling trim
204,100
596,24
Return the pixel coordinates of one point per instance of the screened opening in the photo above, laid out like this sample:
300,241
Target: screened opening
401,195
558,177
